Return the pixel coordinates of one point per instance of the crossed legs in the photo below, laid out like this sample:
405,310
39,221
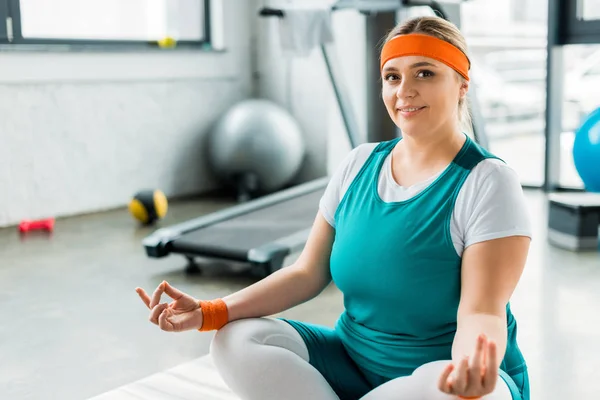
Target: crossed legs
263,358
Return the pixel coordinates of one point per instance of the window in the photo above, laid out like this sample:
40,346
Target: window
580,99
107,21
589,10
507,43
579,21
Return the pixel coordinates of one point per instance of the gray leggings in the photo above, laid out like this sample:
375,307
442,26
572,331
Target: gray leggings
266,359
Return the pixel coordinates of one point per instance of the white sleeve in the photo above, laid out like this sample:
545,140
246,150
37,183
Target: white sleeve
341,178
491,204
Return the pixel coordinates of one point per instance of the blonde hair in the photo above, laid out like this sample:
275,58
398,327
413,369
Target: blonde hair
444,30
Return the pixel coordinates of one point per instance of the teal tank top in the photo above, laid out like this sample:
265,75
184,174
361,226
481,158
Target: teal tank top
399,272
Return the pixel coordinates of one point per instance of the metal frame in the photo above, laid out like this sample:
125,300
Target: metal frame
564,28
4,17
378,6
339,87
380,127
342,97
554,95
576,30
12,12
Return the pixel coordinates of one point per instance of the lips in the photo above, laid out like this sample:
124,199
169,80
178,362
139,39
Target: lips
407,112
410,108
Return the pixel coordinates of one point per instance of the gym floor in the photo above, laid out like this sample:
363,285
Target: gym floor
73,327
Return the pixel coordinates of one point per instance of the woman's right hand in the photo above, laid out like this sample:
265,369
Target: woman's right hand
182,314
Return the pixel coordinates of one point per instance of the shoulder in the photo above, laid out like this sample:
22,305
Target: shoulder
361,152
493,173
490,182
341,178
492,203
354,161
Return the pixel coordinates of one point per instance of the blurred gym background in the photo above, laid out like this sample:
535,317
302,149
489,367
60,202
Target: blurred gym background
127,125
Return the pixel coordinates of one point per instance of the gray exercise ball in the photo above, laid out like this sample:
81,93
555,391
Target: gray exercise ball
257,147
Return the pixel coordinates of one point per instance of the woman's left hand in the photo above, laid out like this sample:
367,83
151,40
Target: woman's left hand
472,377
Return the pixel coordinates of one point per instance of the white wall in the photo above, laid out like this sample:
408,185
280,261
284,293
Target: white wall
81,132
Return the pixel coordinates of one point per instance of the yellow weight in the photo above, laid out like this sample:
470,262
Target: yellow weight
138,211
160,204
148,206
167,42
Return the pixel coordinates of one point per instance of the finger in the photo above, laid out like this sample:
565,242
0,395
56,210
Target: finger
156,295
484,358
156,311
163,320
475,375
460,382
491,374
144,296
172,292
444,381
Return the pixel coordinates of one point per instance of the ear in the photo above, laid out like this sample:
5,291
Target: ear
464,89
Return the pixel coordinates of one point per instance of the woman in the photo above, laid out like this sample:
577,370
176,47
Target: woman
425,236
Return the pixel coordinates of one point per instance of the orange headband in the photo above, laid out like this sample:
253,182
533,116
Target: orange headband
415,44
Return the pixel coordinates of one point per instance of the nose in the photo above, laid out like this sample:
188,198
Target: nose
405,90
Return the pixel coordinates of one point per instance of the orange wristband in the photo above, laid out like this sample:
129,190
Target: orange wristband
214,314
469,398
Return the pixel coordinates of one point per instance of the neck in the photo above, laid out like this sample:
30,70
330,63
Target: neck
422,149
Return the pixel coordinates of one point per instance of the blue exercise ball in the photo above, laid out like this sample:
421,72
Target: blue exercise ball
586,151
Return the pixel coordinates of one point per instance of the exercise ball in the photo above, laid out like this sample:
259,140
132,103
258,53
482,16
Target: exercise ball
256,147
148,206
586,151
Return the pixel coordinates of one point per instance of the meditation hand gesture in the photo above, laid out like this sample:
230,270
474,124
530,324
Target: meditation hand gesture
181,315
473,377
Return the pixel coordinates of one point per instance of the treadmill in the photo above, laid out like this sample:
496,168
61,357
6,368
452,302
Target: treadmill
264,231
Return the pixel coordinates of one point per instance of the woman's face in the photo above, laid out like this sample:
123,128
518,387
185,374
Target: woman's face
421,94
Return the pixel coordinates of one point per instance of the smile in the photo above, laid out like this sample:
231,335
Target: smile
409,111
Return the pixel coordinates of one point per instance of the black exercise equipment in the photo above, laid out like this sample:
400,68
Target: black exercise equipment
574,220
261,232
264,231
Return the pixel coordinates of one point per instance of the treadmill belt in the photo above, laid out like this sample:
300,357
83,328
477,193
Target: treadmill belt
240,234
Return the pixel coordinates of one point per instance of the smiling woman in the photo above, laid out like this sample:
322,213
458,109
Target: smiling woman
425,235
435,66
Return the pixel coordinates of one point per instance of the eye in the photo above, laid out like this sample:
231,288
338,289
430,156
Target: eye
390,76
425,73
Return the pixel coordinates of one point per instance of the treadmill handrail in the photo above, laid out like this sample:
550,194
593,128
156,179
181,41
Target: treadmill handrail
340,90
169,233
